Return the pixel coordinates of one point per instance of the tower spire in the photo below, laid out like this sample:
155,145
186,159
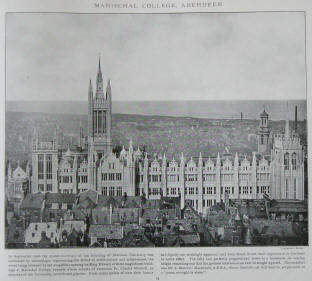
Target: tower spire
99,82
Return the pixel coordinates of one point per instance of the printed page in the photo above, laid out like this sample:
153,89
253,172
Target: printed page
155,140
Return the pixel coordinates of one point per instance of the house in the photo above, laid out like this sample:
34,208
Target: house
41,233
31,208
57,205
72,233
111,235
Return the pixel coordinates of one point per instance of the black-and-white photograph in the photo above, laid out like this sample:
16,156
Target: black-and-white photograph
155,130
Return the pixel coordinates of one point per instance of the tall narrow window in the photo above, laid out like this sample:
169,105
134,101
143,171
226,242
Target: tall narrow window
49,166
286,188
294,161
104,121
40,166
286,161
295,189
99,122
94,122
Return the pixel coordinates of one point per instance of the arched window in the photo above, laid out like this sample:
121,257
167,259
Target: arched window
294,161
286,161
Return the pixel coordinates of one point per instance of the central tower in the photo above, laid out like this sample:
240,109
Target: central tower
99,116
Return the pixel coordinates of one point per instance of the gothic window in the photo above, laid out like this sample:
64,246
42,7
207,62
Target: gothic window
104,190
111,191
286,161
49,166
295,189
119,191
294,161
40,166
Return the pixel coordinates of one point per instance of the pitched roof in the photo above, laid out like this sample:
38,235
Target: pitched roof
106,231
89,194
60,198
33,201
73,225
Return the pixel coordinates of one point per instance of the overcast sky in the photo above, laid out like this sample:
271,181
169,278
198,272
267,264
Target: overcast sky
156,57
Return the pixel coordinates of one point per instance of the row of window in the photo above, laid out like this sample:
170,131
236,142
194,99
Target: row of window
111,191
209,202
111,176
83,179
65,179
41,187
209,190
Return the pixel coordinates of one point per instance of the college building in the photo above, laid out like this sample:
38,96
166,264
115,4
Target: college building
276,170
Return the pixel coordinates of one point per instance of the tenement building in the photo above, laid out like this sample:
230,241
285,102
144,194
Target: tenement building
275,170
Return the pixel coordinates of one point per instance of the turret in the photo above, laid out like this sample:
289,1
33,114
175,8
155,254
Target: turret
236,163
200,160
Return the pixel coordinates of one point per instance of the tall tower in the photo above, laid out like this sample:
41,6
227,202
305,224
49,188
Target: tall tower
287,166
99,116
44,165
263,133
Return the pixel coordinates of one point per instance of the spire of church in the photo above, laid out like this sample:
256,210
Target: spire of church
99,82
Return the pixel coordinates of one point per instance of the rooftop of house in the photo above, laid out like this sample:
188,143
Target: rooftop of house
33,201
60,198
108,232
33,233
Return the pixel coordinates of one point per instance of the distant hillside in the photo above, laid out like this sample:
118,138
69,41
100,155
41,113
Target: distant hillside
158,134
202,109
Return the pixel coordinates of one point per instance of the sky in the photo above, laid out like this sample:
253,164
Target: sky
198,56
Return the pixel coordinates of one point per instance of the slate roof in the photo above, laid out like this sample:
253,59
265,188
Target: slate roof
33,201
60,198
88,194
106,231
102,215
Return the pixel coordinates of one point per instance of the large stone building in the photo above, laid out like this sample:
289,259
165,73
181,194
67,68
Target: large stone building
277,169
